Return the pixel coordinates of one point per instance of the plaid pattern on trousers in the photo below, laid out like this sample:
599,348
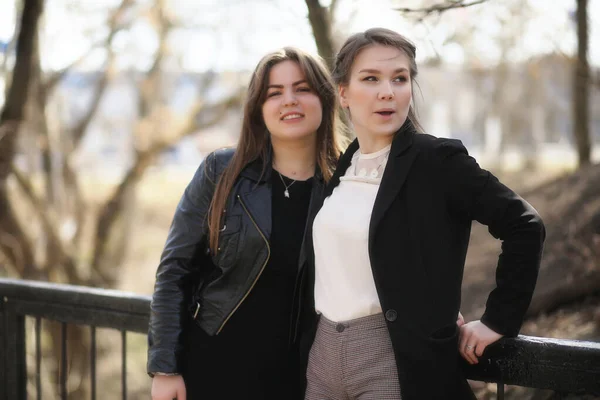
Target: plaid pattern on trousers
352,360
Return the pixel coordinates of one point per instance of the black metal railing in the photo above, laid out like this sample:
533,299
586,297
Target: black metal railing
565,366
66,304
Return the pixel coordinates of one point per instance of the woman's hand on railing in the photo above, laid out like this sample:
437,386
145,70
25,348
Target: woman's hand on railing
168,387
460,321
474,337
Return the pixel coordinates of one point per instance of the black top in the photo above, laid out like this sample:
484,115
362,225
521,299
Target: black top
254,345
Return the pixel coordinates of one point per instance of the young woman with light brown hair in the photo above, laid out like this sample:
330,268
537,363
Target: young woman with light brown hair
225,306
390,243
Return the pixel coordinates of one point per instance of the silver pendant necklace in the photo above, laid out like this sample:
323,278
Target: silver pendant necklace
286,192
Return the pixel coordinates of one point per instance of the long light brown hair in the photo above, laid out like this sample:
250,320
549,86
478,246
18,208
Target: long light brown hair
255,141
376,36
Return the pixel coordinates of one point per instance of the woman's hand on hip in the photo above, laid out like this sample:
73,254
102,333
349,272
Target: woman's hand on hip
474,337
168,387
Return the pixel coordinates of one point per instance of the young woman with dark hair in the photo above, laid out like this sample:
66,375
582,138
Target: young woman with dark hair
224,314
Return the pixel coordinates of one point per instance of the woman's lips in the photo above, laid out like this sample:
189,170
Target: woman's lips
292,117
385,114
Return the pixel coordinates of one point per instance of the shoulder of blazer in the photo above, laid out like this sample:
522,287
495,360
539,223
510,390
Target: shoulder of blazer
438,147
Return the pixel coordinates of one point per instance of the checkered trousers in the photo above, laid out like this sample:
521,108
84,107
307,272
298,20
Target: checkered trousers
352,360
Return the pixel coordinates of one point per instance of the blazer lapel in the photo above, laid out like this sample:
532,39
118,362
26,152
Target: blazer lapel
402,155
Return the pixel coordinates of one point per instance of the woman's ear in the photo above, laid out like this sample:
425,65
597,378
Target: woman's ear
342,93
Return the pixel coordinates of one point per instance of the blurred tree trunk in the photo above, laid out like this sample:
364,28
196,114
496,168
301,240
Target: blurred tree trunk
320,21
581,95
533,115
13,241
5,69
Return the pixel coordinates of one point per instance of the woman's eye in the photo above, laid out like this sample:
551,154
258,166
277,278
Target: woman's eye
401,79
370,79
304,89
273,94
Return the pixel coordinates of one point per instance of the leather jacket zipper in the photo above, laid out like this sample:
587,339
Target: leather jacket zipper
259,273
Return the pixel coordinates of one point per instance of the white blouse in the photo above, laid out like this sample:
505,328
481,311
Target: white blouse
344,285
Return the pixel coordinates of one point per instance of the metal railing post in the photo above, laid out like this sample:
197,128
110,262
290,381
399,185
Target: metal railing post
3,342
12,337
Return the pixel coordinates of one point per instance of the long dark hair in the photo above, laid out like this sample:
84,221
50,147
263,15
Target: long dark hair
254,140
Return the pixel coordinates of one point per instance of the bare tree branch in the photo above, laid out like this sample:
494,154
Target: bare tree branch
81,127
48,224
102,84
70,178
150,85
112,209
441,7
78,203
58,76
38,100
148,97
116,26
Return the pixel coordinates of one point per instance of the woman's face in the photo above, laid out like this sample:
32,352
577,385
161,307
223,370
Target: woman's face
292,110
378,92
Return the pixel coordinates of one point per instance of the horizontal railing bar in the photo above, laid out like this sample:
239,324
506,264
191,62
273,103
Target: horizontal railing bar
73,314
570,366
78,305
83,297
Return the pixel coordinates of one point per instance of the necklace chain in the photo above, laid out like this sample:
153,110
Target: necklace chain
286,192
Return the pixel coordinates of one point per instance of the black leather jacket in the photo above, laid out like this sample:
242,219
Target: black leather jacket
193,283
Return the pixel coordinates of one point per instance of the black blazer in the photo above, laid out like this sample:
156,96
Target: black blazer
430,193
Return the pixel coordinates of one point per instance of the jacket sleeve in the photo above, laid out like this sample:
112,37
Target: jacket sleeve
475,194
187,236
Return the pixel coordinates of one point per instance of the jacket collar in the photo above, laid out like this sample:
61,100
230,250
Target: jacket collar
258,171
403,139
